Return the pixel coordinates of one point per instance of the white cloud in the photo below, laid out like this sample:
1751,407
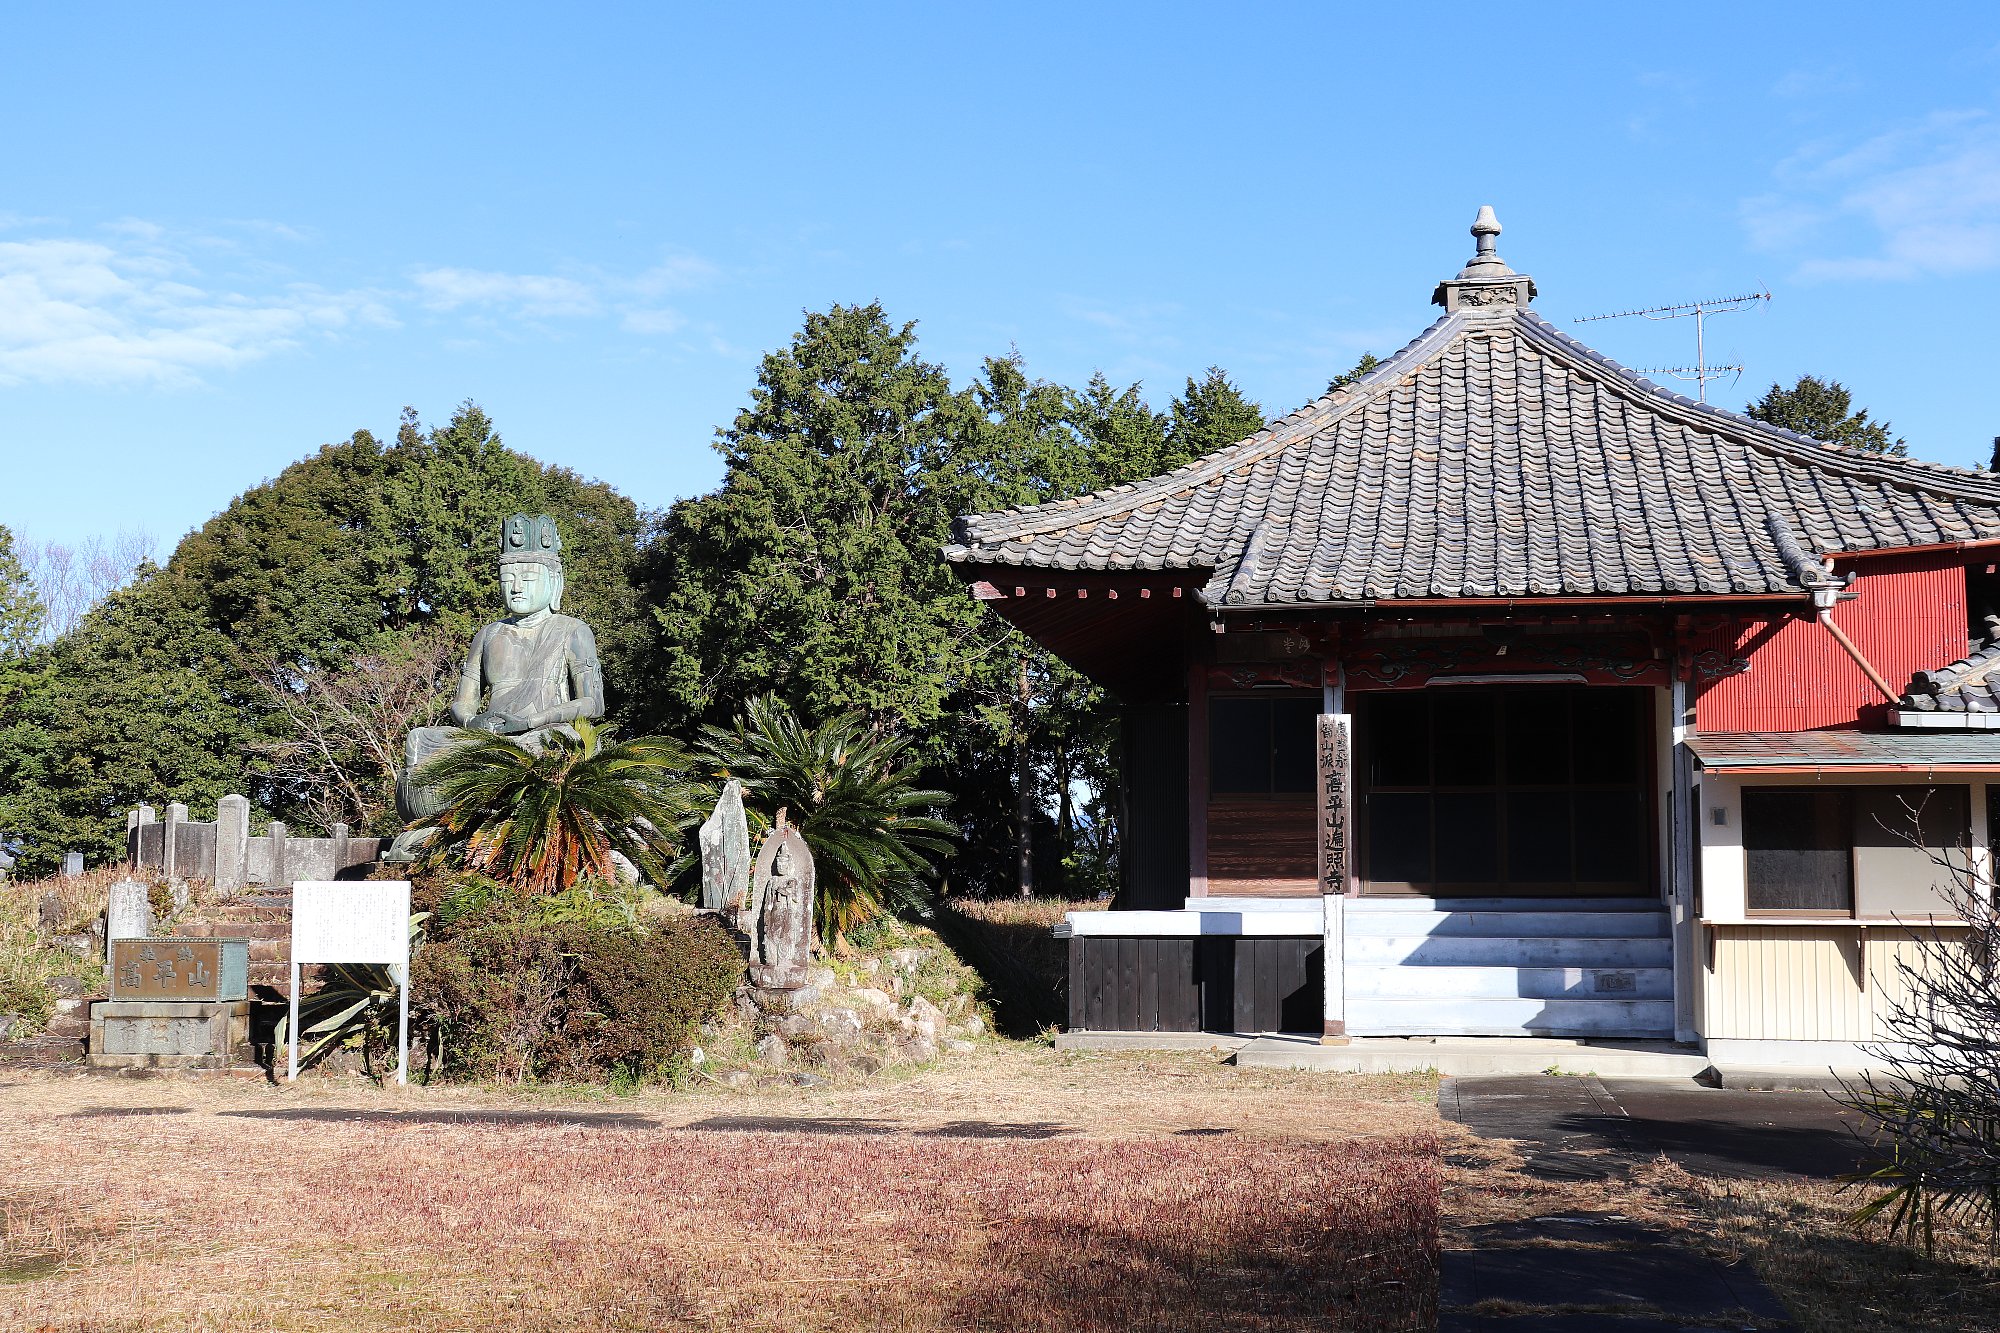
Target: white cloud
1919,200
584,294
132,310
533,295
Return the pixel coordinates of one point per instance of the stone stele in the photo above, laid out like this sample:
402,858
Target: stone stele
782,933
524,676
129,914
725,853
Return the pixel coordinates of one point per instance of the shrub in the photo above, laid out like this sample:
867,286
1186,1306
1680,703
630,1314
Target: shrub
518,998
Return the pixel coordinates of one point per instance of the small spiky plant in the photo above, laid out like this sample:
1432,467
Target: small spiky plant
850,794
545,821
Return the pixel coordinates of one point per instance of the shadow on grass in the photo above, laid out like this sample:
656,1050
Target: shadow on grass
543,1119
1025,968
958,1129
107,1112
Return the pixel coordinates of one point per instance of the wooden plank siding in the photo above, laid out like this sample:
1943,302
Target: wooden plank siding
1195,984
1263,846
1805,982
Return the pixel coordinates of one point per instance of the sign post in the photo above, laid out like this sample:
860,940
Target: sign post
353,921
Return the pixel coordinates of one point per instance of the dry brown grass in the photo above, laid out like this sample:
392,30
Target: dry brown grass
1016,1188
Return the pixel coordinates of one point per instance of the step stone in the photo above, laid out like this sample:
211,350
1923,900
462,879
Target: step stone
1497,983
1506,951
1368,905
1594,925
1510,1017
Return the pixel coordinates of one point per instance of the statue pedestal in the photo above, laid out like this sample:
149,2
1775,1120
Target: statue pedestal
169,1034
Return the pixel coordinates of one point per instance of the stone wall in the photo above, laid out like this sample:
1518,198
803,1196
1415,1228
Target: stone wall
223,851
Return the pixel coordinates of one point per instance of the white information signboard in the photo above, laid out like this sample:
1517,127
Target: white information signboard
353,921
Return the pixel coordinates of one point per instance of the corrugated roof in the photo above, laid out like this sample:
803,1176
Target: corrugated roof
1495,456
1751,750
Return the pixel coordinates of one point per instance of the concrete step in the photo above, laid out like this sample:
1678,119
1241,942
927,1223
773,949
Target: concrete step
1511,1017
1499,983
1507,951
1600,925
1365,904
1477,1055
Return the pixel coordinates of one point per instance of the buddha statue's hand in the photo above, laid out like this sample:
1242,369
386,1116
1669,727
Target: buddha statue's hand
497,723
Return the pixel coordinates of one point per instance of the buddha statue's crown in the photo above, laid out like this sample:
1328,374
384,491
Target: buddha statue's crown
532,541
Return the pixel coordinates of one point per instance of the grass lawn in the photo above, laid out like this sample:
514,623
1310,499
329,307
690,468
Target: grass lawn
1017,1188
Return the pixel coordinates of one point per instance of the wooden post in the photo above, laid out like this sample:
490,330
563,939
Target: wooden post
1197,783
1024,796
1334,754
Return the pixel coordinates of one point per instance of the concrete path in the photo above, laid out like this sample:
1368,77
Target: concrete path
1594,1129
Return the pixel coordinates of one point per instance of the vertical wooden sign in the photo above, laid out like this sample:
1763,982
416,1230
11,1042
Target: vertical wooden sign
1336,776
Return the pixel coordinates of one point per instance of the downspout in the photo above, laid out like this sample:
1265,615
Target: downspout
1823,588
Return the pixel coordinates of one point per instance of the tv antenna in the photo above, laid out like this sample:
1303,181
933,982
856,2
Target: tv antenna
1700,373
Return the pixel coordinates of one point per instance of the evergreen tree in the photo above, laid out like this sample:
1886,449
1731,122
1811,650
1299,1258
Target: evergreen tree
162,692
21,611
1367,363
1209,415
1823,409
1126,440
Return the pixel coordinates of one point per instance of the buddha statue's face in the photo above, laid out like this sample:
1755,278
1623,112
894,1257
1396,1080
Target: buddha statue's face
529,587
781,864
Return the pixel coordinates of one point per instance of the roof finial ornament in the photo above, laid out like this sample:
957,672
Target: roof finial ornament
1485,280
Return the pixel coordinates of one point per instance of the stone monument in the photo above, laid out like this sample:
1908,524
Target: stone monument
725,853
525,675
128,915
779,917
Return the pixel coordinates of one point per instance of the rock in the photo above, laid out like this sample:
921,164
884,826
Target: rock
797,1027
746,1005
867,1062
66,988
840,1024
82,945
805,995
960,1047
697,1057
821,977
873,999
908,960
805,1080
916,1051
9,1022
924,1018
736,1079
895,985
725,853
772,1050
73,1005
622,869
971,1025
49,914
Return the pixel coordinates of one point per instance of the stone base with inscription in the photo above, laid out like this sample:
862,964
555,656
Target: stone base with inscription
169,1034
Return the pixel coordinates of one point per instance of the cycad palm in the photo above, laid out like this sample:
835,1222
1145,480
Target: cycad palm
869,826
543,821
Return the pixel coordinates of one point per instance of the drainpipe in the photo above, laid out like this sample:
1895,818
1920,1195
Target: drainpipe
1823,588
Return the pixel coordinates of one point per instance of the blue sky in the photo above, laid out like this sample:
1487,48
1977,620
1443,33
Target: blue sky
228,235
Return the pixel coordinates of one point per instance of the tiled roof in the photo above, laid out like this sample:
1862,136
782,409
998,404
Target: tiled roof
1495,457
1844,749
1969,685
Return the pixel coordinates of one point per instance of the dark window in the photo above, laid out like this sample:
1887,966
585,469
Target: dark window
1262,746
1861,851
1540,789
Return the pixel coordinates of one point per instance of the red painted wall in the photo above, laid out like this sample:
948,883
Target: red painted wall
1909,616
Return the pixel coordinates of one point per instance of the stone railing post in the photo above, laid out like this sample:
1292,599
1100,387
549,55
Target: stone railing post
339,849
232,843
170,839
276,835
135,821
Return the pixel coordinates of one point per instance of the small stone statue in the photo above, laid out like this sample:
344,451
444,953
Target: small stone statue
525,675
780,918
